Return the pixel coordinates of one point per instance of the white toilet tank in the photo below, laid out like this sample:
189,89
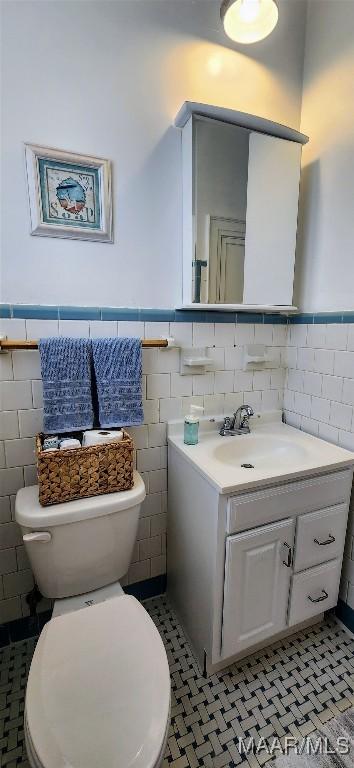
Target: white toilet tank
81,545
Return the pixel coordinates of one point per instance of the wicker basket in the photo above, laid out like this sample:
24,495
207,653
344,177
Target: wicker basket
74,473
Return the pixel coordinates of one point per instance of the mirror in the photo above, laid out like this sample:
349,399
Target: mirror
220,203
240,204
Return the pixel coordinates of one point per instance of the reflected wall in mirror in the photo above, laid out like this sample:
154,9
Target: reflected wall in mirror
220,202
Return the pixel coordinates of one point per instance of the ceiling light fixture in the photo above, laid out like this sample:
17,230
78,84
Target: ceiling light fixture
248,21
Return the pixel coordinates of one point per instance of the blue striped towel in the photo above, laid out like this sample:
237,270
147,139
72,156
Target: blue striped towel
66,375
118,369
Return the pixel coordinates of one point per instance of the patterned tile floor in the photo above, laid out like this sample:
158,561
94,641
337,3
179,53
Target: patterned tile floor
291,688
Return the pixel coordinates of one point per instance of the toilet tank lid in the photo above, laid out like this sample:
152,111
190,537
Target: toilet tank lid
30,514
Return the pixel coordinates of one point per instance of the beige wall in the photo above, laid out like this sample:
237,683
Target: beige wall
107,78
325,259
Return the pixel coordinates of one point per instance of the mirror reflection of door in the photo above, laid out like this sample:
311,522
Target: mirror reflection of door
225,241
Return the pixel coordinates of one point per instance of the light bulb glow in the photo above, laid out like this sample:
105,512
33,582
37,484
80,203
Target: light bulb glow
249,10
248,21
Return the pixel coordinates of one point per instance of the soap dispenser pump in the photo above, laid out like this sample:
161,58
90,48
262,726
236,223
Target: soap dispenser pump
191,425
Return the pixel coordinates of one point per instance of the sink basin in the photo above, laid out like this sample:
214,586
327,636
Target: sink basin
261,451
275,451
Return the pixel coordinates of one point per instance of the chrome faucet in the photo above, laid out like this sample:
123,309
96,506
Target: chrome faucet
238,424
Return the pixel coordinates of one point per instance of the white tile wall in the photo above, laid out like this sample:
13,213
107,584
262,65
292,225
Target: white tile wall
168,396
319,398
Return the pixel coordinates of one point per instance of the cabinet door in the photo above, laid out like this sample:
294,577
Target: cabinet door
271,219
257,583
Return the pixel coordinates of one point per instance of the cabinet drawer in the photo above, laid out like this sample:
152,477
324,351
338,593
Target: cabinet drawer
253,509
320,536
314,591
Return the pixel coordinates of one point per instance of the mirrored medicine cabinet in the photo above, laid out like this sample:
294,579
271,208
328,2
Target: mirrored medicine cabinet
241,179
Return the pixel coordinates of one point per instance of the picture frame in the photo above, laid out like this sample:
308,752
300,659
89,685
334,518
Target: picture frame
70,194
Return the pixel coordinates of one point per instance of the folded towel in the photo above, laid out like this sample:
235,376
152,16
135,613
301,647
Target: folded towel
66,374
118,369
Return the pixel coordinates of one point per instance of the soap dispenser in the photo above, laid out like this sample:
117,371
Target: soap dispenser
191,425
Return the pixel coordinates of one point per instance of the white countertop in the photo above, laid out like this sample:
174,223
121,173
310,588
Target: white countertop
277,451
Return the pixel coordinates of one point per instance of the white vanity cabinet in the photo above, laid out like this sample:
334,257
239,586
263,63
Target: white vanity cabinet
247,568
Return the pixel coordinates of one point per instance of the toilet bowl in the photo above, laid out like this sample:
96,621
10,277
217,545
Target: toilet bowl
98,691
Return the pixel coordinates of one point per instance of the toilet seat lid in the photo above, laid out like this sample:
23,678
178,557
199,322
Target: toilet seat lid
98,691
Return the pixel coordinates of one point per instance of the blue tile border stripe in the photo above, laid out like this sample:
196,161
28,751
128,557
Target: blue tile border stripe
32,311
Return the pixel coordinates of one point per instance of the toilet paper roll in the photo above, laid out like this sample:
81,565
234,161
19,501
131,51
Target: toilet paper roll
69,442
101,436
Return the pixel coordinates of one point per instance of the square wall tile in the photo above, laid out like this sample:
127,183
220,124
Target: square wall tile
312,383
182,333
131,328
5,509
203,384
6,371
332,387
344,364
157,435
320,409
203,334
305,358
341,415
158,386
263,334
9,425
13,329
158,480
324,361
225,334
20,452
302,403
243,381
26,365
78,329
244,333
348,391
103,329
41,329
31,422
181,385
15,394
336,336
157,330
223,382
316,336
329,433
151,411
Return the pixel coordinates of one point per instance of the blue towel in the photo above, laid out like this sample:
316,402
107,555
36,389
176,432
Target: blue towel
66,374
118,370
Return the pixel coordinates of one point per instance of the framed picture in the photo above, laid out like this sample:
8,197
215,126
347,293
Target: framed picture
70,195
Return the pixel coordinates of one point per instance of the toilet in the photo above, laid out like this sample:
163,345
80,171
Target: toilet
98,691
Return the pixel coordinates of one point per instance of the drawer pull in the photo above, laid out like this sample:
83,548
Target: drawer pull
330,540
289,561
319,599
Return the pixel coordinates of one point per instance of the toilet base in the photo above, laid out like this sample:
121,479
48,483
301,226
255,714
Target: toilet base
69,604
